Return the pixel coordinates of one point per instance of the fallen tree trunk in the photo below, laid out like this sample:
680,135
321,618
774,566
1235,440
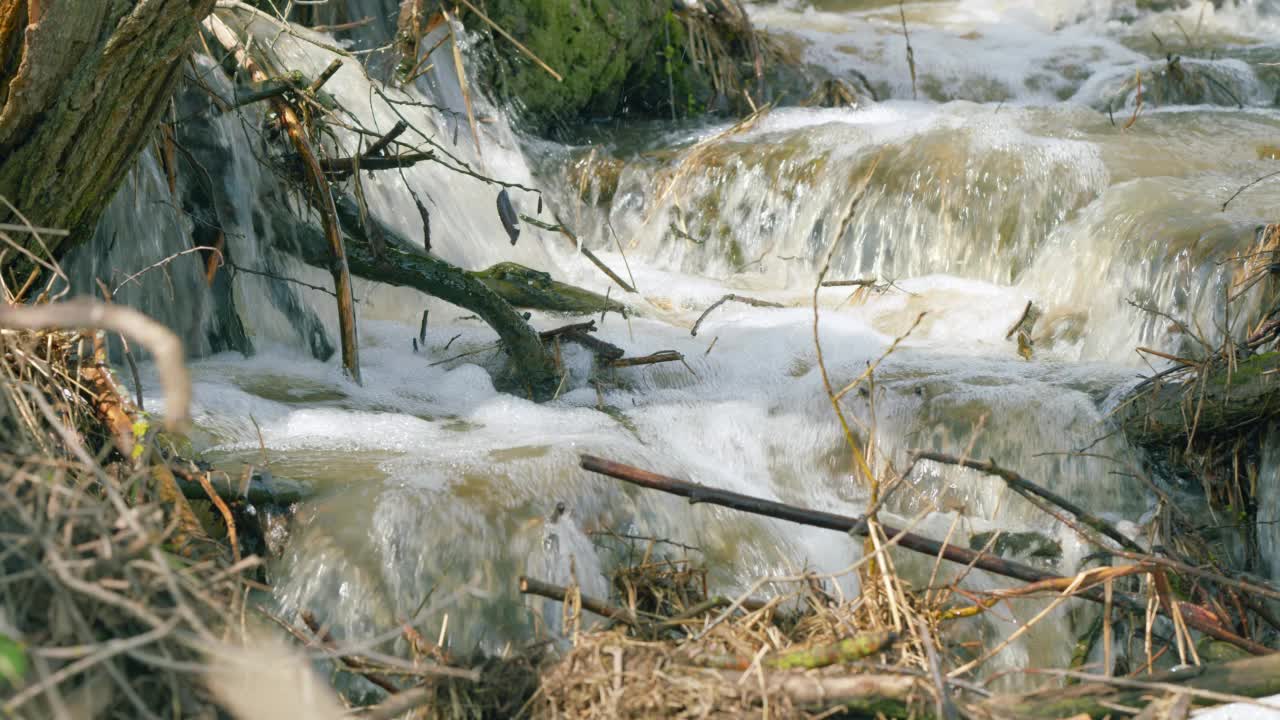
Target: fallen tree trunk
520,286
67,69
535,370
1218,401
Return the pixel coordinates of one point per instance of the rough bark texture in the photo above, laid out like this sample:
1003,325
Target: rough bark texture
82,84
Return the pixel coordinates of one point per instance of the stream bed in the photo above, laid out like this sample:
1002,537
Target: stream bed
1019,165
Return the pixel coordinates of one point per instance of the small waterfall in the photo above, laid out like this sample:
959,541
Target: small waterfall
142,228
1005,180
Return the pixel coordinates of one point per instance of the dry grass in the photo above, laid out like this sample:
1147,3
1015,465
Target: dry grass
695,655
107,619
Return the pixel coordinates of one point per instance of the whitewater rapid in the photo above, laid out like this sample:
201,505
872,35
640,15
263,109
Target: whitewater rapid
1001,178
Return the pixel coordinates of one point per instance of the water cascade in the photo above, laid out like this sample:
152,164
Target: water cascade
1019,165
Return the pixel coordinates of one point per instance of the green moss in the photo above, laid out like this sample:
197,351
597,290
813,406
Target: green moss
623,57
525,287
1249,371
592,44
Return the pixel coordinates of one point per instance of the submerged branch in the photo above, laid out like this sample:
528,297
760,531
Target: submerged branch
1023,486
260,488
662,356
754,302
534,366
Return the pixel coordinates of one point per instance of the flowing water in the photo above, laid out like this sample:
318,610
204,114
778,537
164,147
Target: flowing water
1010,170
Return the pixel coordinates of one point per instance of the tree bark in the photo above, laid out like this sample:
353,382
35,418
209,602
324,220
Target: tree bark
82,85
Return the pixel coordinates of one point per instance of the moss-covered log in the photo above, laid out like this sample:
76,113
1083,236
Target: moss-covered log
82,85
528,288
1254,677
1222,401
534,369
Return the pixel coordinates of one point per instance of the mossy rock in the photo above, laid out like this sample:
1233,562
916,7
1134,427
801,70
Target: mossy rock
592,44
1019,544
1175,82
638,58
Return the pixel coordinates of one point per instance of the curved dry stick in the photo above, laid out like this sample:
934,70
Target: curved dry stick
163,262
159,340
322,199
736,298
860,461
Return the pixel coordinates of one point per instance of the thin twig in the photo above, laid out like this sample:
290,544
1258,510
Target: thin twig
754,302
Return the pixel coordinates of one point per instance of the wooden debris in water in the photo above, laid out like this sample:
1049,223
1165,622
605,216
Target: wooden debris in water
1023,327
532,586
754,302
1082,585
662,356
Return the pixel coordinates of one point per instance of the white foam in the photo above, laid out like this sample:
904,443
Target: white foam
439,480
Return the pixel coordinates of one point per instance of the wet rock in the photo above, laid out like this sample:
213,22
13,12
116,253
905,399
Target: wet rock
639,59
1018,544
594,177
1176,81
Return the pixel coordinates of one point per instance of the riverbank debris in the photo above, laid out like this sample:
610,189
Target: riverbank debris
731,297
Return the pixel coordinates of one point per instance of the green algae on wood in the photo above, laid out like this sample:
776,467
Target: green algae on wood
533,372
528,288
851,649
1226,400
